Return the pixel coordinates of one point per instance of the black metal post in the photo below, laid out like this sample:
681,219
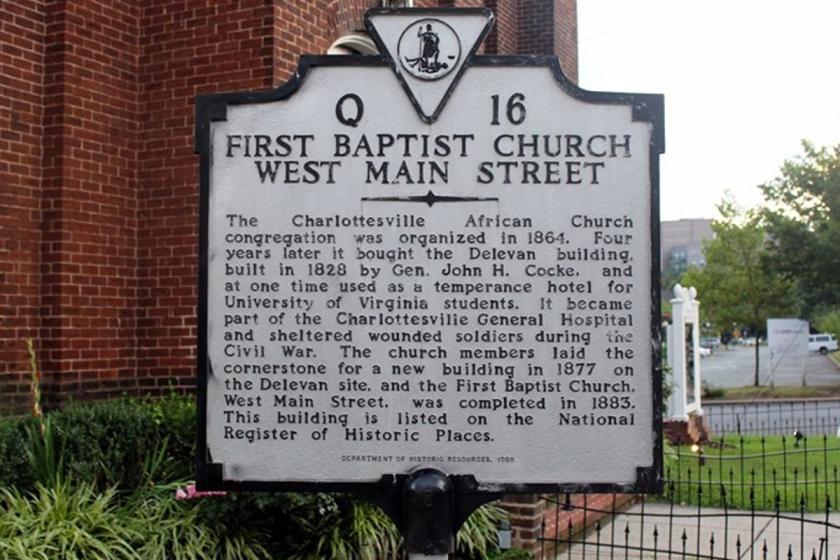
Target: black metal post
428,514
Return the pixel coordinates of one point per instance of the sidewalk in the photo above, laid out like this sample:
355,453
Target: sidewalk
650,530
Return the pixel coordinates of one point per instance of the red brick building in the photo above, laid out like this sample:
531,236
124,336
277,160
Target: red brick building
98,180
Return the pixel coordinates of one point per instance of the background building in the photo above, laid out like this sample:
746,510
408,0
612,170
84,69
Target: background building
682,246
99,198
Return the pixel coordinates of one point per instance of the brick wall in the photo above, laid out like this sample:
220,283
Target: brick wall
188,48
565,37
536,27
89,198
549,27
526,518
70,103
299,30
503,37
22,46
99,198
349,16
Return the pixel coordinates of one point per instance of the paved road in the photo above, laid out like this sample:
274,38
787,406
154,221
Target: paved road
735,367
811,417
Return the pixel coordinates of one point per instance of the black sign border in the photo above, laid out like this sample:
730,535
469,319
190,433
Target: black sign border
213,107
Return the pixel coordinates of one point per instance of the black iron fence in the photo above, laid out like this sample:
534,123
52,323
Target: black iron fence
811,417
667,530
733,498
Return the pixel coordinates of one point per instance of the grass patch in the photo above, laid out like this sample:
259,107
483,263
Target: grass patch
738,472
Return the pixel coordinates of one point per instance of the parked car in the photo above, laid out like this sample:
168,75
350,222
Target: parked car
711,342
822,343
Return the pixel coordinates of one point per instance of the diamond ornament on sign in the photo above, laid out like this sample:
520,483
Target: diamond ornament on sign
429,50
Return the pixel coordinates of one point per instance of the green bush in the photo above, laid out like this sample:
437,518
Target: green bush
829,322
514,554
282,518
710,391
45,455
15,470
76,522
67,522
479,536
134,452
108,444
113,443
171,529
342,527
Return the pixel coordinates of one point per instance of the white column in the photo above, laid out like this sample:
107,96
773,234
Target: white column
676,361
684,311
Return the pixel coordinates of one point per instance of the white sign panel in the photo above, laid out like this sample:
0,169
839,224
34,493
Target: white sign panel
787,340
403,271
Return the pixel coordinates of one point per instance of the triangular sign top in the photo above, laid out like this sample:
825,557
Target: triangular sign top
429,49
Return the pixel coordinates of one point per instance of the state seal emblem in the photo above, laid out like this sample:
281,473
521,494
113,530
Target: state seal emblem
429,49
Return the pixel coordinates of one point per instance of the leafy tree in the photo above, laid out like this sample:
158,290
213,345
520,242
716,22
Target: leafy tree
802,217
735,287
829,322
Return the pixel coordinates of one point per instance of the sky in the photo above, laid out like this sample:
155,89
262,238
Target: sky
745,81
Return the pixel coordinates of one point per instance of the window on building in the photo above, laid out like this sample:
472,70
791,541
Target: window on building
679,255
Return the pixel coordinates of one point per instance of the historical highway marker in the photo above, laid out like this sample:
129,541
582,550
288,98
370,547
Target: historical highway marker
429,258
